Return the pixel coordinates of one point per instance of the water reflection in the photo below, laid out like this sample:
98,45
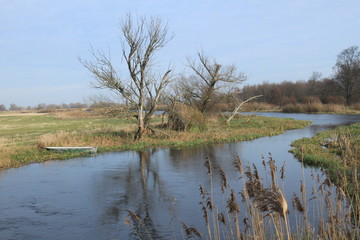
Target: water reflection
137,188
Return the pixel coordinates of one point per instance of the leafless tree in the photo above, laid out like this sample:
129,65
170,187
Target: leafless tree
347,72
3,107
209,77
142,37
315,76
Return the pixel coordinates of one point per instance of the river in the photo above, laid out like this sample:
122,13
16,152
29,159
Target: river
87,198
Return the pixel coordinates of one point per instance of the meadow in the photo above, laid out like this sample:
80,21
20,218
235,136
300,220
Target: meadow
24,136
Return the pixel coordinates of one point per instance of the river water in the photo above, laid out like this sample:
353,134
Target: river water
87,198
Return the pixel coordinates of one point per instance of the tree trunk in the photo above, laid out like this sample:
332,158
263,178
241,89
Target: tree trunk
141,124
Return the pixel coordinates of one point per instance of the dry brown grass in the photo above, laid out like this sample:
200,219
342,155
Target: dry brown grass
259,106
183,117
77,114
20,113
317,107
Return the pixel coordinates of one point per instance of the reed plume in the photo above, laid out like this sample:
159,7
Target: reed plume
223,180
139,225
191,231
221,218
271,201
234,209
297,205
238,165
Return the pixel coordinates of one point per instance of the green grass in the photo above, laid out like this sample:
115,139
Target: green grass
335,150
23,137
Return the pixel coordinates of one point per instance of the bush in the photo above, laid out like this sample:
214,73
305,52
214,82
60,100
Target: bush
183,118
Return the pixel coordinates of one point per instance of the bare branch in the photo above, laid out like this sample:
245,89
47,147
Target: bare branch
141,39
236,110
213,76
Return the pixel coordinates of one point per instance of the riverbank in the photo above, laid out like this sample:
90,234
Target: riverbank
338,152
312,107
23,137
333,149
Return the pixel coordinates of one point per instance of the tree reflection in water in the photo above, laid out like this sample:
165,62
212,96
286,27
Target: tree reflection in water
141,190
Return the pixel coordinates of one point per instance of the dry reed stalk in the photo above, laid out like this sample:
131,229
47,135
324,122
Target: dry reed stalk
249,186
297,205
237,163
282,175
234,209
191,231
261,202
136,219
223,180
210,201
221,218
273,170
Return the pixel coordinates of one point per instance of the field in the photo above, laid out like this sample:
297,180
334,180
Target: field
24,136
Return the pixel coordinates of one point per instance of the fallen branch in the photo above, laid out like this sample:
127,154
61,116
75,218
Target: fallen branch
239,106
157,131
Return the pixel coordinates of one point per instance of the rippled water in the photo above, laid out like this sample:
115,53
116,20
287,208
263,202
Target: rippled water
87,198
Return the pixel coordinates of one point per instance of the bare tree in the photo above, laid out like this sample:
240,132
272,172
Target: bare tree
2,107
347,72
315,76
14,107
141,39
209,78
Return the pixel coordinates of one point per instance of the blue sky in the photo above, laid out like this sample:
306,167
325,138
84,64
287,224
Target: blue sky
41,40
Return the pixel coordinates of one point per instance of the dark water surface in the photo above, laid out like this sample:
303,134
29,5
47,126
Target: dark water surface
87,198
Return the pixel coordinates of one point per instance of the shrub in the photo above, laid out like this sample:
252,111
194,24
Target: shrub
183,117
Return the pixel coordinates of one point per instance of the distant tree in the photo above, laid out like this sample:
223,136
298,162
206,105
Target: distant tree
141,39
41,106
64,106
347,72
208,79
78,105
3,107
276,96
315,76
313,85
14,107
53,106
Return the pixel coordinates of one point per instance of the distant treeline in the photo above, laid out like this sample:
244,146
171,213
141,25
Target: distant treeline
326,91
342,88
43,106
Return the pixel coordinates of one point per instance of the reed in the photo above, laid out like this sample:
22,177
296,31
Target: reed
266,210
260,210
318,107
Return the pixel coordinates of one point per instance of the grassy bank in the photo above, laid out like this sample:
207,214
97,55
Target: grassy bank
24,136
338,152
333,149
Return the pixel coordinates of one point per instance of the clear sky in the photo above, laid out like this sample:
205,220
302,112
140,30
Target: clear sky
277,40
